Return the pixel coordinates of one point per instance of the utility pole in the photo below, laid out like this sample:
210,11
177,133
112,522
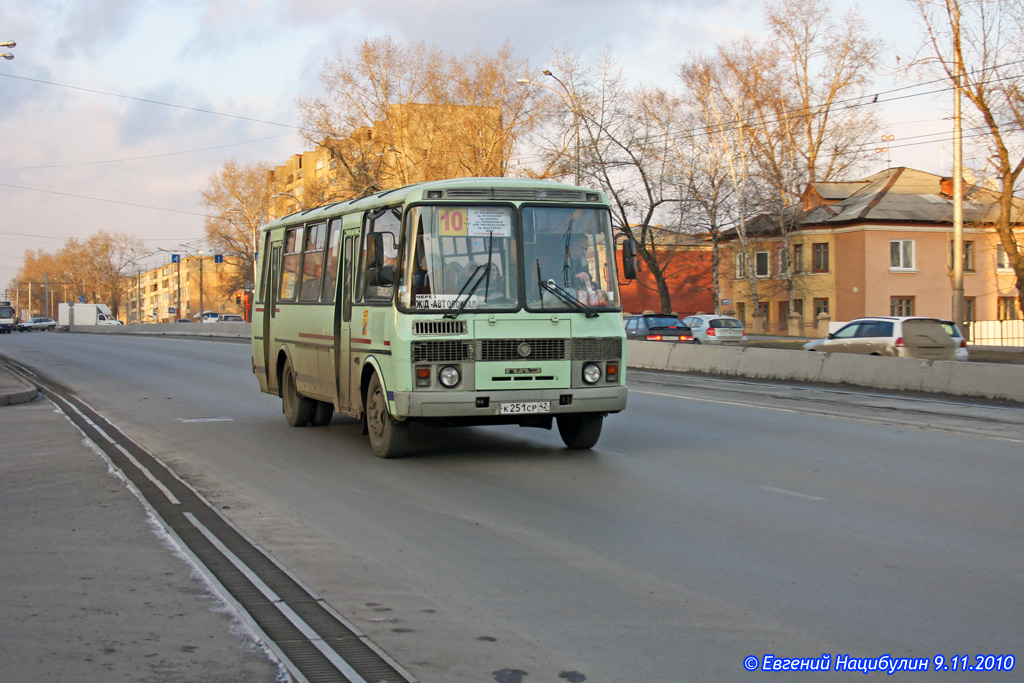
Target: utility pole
958,182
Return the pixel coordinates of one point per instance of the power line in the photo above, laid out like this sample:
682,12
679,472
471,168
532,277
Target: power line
148,101
109,201
152,156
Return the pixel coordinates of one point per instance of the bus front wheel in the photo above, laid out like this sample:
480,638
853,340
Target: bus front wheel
580,431
388,436
297,408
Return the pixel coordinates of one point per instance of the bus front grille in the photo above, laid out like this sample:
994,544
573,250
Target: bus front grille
597,348
442,351
521,349
439,327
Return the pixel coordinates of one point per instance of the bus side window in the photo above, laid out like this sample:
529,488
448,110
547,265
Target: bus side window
346,278
290,268
331,267
380,254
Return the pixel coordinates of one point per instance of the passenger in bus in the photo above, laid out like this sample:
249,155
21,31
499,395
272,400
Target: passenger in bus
579,268
310,281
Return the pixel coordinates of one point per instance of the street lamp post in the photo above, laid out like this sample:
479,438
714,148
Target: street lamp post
569,102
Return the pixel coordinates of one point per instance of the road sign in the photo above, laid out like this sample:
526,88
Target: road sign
175,258
218,258
81,299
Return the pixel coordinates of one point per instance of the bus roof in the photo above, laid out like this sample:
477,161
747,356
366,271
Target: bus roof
463,189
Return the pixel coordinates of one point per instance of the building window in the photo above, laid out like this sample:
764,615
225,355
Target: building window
798,306
1006,308
741,264
741,312
901,305
820,256
762,311
1002,260
820,306
798,258
968,255
762,267
901,254
969,309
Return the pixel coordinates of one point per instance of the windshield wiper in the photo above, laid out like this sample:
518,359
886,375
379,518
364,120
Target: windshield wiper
452,315
566,297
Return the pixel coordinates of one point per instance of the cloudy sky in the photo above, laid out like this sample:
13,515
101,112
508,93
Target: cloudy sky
85,146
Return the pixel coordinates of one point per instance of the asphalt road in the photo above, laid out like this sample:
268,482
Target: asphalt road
714,521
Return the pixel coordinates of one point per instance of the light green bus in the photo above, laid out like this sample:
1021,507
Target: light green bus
459,302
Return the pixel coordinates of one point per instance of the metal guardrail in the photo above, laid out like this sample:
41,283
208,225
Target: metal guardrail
996,332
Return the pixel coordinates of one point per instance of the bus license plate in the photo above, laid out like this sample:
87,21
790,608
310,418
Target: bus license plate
525,407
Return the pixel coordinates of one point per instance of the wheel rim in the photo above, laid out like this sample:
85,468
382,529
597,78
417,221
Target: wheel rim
375,415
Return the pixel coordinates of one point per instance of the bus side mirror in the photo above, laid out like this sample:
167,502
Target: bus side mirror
629,262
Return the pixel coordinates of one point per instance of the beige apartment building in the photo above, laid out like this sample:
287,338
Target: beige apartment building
878,246
418,142
181,290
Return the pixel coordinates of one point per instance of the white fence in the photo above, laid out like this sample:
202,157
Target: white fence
996,332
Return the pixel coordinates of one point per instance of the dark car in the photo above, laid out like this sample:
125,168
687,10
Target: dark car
37,324
657,327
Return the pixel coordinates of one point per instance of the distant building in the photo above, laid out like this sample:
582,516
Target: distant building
686,263
878,246
171,292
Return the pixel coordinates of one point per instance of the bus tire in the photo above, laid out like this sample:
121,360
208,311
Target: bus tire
297,408
322,414
388,436
580,431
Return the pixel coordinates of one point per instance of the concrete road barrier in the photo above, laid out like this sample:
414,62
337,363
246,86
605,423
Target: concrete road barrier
232,330
982,380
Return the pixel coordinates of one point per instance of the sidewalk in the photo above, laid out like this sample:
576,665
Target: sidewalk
90,590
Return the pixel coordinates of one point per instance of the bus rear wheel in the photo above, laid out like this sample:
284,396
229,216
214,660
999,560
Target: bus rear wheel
388,436
298,410
580,431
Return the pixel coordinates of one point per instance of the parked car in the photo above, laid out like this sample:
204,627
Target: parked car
903,337
657,327
716,329
961,343
230,318
42,324
111,321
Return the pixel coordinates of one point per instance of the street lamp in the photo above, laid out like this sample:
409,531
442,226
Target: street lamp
569,102
285,195
8,55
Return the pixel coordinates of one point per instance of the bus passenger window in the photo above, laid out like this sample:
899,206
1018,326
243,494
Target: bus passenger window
331,267
312,262
290,267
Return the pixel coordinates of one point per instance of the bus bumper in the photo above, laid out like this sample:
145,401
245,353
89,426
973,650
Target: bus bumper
413,404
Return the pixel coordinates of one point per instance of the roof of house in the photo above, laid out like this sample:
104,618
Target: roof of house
895,195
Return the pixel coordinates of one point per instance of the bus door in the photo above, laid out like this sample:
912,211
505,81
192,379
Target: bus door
346,377
273,272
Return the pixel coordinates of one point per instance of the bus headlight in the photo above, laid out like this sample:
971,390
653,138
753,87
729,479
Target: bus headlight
449,376
591,373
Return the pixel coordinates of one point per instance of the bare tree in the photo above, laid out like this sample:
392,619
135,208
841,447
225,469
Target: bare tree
985,37
622,151
236,204
394,114
96,268
700,167
821,63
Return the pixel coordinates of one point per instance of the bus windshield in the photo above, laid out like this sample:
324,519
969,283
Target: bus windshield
465,257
